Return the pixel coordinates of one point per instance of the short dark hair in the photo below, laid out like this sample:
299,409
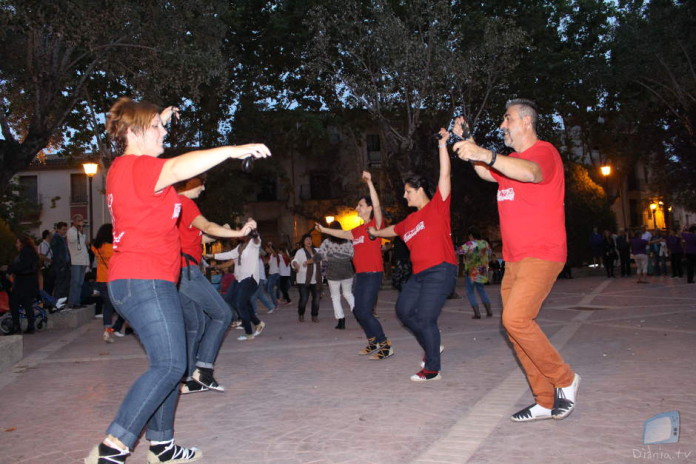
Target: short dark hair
45,234
527,108
61,224
368,201
474,232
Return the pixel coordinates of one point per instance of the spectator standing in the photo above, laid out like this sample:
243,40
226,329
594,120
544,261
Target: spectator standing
689,236
45,258
60,264
623,247
596,247
639,250
308,278
676,253
477,255
79,260
25,288
609,253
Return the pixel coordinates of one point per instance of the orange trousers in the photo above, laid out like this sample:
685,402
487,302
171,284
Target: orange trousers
525,286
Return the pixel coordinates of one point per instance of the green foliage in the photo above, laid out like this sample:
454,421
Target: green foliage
586,207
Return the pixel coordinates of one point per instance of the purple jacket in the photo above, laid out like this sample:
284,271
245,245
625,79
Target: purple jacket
690,243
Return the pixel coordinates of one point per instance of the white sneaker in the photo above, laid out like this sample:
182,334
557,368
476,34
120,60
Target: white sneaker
119,334
564,400
259,328
245,337
532,413
107,337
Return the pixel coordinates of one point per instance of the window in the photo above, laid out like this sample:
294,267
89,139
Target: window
78,188
374,149
29,188
320,185
635,213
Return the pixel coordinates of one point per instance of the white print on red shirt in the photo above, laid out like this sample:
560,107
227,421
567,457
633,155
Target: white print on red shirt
506,195
177,210
413,232
109,204
359,240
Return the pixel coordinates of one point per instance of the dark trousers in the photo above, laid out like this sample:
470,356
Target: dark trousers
305,291
420,303
608,262
676,261
625,264
690,265
284,286
240,297
365,289
24,299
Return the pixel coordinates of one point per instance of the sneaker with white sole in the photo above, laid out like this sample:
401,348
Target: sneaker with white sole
424,375
107,336
191,386
119,334
245,337
259,328
565,398
171,453
531,413
105,454
204,376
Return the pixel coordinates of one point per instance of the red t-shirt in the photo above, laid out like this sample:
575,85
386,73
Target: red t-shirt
427,234
146,240
190,236
367,254
532,216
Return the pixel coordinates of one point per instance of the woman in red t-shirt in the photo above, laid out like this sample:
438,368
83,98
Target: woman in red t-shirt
427,235
369,269
144,270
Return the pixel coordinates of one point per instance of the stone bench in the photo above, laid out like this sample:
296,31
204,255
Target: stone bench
11,351
71,319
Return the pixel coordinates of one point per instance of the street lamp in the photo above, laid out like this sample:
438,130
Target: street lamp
605,170
329,220
653,207
91,169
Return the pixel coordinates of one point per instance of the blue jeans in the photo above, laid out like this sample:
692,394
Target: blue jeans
107,307
153,309
239,297
365,289
260,294
420,303
204,335
470,287
77,277
272,287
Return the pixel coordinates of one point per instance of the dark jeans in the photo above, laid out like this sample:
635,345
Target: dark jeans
677,269
107,308
61,281
239,296
153,309
420,303
365,290
608,262
305,290
625,263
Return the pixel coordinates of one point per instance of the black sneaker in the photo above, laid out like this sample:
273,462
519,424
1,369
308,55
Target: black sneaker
204,376
565,398
372,345
104,454
384,351
191,386
532,412
171,453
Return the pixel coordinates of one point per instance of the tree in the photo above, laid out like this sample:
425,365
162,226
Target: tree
65,59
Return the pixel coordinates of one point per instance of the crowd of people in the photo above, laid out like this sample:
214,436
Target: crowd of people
650,252
151,267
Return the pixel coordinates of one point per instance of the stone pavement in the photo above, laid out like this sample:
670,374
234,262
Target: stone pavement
299,393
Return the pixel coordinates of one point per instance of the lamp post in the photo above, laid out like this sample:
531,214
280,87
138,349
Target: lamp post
91,169
329,220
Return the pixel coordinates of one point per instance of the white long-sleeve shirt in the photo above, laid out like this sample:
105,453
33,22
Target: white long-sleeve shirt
248,265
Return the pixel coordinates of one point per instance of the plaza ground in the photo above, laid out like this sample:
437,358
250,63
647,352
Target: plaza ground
301,394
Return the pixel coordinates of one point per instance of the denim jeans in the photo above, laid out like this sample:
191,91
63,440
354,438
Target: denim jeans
77,277
365,289
420,303
239,296
470,287
260,294
153,309
305,291
206,317
107,307
272,287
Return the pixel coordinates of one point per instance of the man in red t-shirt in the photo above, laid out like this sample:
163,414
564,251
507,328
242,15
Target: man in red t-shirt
531,189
